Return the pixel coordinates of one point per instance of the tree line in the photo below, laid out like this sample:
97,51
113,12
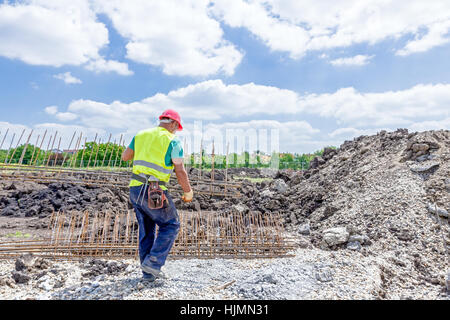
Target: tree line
109,155
92,155
283,160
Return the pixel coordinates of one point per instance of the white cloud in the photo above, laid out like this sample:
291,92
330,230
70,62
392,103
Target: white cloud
208,100
391,108
66,116
358,60
258,134
67,78
52,110
102,65
215,101
185,38
438,34
305,122
431,125
62,116
66,132
56,33
178,36
348,133
51,33
299,26
280,35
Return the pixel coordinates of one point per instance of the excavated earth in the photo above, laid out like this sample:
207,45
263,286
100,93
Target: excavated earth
370,219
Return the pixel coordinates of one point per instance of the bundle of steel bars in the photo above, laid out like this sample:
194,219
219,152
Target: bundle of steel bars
114,179
202,235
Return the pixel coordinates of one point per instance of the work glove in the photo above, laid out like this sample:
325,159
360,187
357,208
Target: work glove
187,196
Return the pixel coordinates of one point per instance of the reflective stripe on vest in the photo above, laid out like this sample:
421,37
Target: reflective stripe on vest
150,148
151,165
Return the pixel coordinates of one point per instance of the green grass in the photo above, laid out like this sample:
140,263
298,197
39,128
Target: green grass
18,234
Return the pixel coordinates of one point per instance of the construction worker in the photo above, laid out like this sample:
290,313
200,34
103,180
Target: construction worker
156,152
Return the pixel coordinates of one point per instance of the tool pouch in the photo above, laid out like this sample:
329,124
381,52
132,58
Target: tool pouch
156,196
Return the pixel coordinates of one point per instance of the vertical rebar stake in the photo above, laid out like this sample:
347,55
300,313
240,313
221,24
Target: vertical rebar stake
111,154
82,154
1,145
40,147
53,143
10,146
65,156
118,149
25,148
90,154
106,149
17,145
212,167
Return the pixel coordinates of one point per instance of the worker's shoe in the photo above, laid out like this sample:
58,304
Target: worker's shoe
155,272
148,277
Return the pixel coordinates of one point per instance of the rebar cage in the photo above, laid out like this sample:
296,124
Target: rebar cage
203,235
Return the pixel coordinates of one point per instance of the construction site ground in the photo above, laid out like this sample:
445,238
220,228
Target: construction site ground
370,221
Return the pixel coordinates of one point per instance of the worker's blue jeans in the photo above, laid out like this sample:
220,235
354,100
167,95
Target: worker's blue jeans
153,252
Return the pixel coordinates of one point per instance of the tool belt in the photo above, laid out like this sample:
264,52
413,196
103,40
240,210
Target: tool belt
156,196
146,179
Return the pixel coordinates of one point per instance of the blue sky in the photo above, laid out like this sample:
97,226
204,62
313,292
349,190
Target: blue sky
112,67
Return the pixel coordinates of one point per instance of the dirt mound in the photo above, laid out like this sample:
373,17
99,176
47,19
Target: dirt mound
30,199
385,195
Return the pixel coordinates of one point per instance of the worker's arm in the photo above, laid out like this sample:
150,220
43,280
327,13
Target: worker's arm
128,154
183,179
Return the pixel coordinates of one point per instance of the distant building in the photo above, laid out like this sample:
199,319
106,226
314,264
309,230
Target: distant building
70,151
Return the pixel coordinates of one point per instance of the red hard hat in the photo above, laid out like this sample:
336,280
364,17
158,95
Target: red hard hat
172,114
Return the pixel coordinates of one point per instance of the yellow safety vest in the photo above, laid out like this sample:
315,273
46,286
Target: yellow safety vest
150,147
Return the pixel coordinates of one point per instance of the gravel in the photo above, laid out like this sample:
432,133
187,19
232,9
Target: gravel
308,274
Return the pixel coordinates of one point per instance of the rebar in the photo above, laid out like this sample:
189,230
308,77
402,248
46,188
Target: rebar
17,145
40,148
73,160
25,148
10,146
34,149
1,145
118,149
45,154
106,149
53,143
203,235
90,153
70,144
82,155
102,178
111,154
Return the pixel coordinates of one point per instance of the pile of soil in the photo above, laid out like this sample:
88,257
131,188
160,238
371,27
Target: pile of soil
30,199
386,195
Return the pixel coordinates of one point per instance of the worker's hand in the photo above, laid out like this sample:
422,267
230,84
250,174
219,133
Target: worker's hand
187,196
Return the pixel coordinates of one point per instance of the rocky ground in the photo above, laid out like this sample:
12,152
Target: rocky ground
371,220
31,199
310,274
